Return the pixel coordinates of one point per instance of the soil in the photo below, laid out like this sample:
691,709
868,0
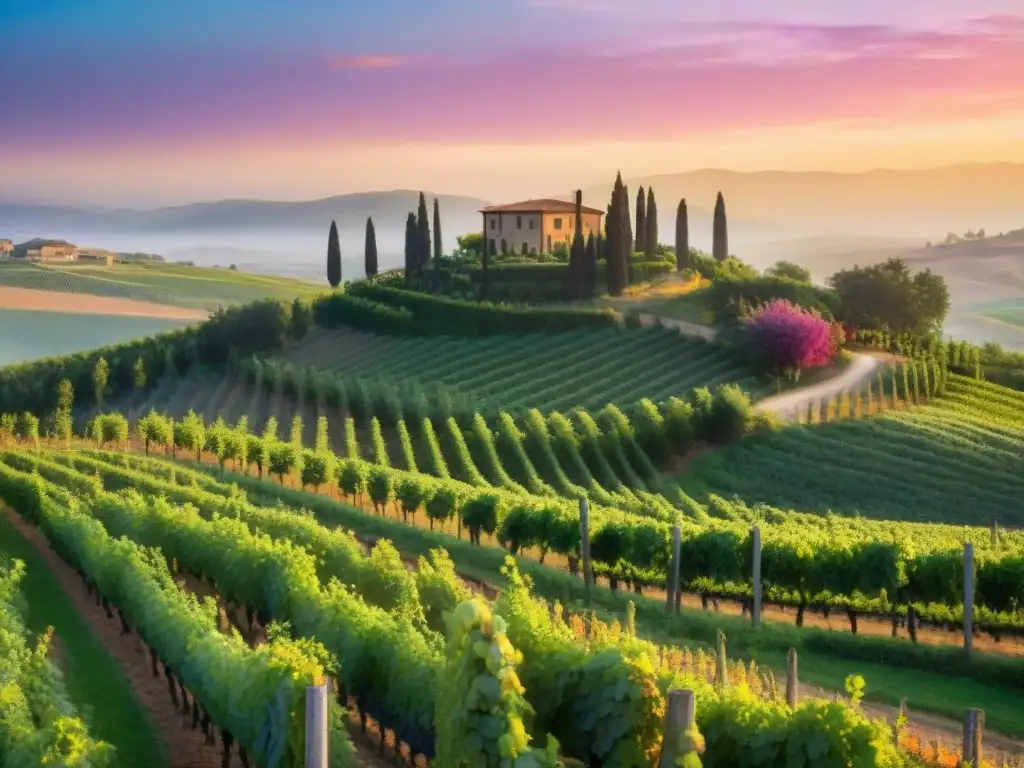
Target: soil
184,747
85,304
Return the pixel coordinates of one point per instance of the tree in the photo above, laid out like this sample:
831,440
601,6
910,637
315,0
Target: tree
641,222
333,257
65,395
26,428
438,252
410,246
100,379
139,374
316,469
256,453
302,318
682,237
154,429
789,270
720,238
423,234
577,254
284,457
789,338
190,434
590,261
651,224
627,222
890,297
370,251
618,239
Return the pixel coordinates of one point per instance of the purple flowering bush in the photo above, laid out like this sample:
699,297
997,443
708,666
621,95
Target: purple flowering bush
789,338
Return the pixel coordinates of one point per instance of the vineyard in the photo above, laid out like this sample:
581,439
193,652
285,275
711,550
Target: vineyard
596,687
355,488
959,459
193,287
588,368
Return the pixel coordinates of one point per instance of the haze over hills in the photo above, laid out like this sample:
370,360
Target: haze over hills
277,237
823,220
881,203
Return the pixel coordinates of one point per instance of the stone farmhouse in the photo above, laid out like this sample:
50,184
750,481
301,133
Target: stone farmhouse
538,226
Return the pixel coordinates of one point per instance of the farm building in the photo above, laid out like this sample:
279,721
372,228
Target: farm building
535,225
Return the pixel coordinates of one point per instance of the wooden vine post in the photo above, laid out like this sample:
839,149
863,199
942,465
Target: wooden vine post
674,588
755,613
316,725
792,681
968,596
680,715
588,571
974,724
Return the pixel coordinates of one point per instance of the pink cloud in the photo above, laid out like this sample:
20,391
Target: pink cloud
365,62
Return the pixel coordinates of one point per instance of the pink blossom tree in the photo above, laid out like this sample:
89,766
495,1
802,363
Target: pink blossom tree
788,337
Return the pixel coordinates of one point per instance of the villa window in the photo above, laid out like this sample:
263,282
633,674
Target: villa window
494,223
491,246
524,249
531,222
519,222
558,223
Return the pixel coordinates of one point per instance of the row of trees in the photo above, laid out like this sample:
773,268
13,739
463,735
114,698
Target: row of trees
418,244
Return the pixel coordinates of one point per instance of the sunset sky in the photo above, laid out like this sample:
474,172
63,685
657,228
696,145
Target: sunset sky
145,102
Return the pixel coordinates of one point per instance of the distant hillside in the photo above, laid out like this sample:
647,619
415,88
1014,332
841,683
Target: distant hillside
924,203
977,270
387,208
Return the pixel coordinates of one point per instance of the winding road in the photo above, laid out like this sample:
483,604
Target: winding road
788,404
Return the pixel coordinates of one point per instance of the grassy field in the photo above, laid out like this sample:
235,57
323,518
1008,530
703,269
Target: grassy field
959,459
173,284
551,372
29,335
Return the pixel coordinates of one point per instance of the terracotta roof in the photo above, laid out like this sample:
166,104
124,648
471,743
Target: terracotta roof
539,206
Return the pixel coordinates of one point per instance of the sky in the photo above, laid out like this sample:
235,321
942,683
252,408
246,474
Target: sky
130,103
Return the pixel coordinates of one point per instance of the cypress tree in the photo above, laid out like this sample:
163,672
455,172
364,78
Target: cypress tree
590,260
682,237
619,239
411,245
577,267
627,221
333,257
651,222
641,222
438,251
423,235
720,243
370,252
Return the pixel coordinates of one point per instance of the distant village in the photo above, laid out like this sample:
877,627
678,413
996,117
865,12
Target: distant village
41,250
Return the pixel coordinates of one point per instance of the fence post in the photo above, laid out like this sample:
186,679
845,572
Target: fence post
721,663
968,596
792,681
588,572
673,578
755,614
680,715
316,725
974,724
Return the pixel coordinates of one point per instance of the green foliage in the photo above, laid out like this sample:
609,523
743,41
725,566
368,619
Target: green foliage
40,724
889,296
481,705
316,468
432,315
729,298
284,459
378,483
789,271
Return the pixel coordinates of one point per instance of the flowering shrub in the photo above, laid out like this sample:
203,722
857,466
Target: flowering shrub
789,338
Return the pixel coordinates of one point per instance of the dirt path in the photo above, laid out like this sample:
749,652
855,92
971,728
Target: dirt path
789,404
685,328
184,747
87,304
